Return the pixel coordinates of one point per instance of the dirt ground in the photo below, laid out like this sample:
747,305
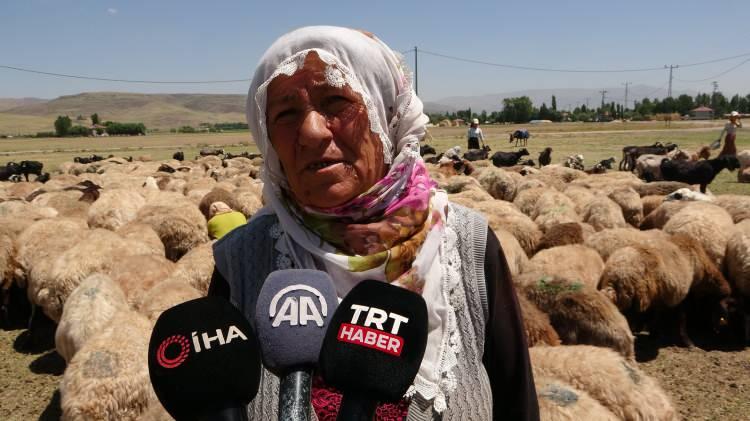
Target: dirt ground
704,384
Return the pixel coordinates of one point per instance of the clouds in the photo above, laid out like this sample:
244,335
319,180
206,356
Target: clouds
111,11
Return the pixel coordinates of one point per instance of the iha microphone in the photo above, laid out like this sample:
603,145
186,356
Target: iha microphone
374,347
292,316
203,361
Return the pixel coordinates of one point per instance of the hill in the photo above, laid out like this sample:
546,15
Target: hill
162,111
9,103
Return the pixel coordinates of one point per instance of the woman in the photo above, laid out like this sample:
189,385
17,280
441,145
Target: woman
338,123
730,148
474,134
222,219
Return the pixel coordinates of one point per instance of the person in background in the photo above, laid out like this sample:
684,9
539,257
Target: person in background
475,134
730,147
222,219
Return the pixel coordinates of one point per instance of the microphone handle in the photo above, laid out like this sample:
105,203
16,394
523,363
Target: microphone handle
356,407
294,396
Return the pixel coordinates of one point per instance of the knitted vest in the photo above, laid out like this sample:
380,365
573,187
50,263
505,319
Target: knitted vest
246,256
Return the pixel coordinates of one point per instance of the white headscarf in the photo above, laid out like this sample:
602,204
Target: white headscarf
373,70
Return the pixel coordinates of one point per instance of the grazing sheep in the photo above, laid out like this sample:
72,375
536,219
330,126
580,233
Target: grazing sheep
180,227
606,376
563,173
108,377
743,176
648,167
196,267
737,205
698,172
525,200
630,203
514,253
536,324
554,208
115,208
574,263
39,245
66,203
477,154
605,242
470,196
89,309
575,162
164,296
581,314
144,234
659,188
498,183
709,224
565,234
650,203
503,215
661,215
507,159
460,183
689,195
559,401
545,157
602,213
137,274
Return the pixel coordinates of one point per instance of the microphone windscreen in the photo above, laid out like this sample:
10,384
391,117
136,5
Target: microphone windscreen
376,341
203,357
292,314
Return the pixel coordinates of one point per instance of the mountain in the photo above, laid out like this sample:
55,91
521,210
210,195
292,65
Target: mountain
565,97
163,111
8,103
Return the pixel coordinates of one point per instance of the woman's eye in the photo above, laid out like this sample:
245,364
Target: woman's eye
336,103
285,115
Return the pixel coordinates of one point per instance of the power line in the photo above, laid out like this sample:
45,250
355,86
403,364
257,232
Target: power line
715,76
670,67
20,69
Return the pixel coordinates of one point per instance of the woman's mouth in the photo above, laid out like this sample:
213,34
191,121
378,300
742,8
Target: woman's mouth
317,166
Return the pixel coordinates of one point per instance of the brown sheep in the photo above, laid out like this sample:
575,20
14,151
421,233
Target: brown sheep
661,215
196,267
44,240
554,208
143,233
526,199
115,208
709,224
217,195
605,242
514,253
503,215
536,324
559,401
631,204
574,263
66,203
164,296
660,188
737,205
650,203
498,183
565,234
137,274
602,213
181,228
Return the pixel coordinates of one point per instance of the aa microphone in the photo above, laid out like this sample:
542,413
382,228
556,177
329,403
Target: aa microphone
374,347
291,317
203,361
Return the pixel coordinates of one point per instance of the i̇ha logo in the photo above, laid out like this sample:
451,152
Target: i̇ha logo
161,356
298,309
184,345
376,338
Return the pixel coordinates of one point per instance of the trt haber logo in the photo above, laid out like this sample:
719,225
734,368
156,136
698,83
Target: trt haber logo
298,309
374,338
181,343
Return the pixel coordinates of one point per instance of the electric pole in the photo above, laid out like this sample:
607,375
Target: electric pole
715,84
601,110
416,72
626,94
670,67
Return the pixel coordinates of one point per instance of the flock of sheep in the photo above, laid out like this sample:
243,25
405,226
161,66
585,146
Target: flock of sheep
103,248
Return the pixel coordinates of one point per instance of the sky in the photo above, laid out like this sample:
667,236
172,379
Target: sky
223,39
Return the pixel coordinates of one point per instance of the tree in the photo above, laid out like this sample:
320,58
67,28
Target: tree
95,118
63,125
554,103
517,110
684,104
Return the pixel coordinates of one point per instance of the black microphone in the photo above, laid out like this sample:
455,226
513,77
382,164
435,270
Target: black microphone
203,361
291,316
374,347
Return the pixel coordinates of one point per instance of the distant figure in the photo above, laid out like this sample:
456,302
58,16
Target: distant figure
222,220
475,134
730,148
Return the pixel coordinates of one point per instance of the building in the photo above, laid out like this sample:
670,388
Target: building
702,113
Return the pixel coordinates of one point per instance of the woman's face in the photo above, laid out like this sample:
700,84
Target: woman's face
322,137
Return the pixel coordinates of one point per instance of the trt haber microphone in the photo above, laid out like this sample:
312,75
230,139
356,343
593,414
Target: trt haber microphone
374,347
292,314
203,360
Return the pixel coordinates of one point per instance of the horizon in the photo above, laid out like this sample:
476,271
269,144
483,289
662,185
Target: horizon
190,40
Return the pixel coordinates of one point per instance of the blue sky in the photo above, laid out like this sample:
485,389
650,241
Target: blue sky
223,39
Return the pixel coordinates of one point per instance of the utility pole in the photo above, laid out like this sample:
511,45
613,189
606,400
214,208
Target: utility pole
626,94
587,102
604,94
416,72
670,67
715,84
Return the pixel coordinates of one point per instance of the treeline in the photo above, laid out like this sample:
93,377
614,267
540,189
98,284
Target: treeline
211,128
64,128
522,110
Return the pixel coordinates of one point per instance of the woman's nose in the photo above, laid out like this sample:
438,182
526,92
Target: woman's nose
314,129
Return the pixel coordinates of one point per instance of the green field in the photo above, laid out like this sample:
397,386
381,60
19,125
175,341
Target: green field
596,141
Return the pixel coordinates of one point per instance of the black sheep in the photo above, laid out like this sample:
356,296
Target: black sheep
477,154
628,149
633,155
545,157
43,178
697,172
31,167
607,163
179,156
9,170
508,159
427,150
433,159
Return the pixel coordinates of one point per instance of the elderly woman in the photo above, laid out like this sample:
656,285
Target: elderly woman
335,116
730,128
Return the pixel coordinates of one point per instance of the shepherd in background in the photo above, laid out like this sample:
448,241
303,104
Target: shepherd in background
730,148
222,219
475,134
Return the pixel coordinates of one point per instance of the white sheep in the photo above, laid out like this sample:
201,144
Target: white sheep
115,208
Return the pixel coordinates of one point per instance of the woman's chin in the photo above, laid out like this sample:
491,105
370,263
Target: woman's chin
331,196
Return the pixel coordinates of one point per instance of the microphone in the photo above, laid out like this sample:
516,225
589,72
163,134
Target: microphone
291,316
374,347
203,361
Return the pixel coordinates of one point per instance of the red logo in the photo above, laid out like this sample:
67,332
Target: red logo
371,338
184,345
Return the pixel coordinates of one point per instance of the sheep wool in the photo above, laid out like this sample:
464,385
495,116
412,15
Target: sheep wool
180,227
616,383
536,324
559,401
605,242
196,267
602,213
108,377
115,208
737,205
498,183
139,273
89,309
554,208
565,234
165,295
503,215
738,257
574,263
709,224
630,203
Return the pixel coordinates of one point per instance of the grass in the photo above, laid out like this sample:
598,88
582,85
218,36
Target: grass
16,124
596,141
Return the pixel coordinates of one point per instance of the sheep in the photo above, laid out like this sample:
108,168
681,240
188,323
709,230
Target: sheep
660,188
743,176
536,324
196,267
607,377
164,296
89,309
21,190
477,154
605,242
630,203
650,203
575,162
460,183
137,274
470,196
525,200
108,377
689,195
661,215
41,243
66,203
633,155
700,172
738,258
626,155
143,233
574,262
507,159
514,253
703,153
563,173
737,205
554,208
580,314
27,210
558,401
180,226
565,234
498,183
707,223
602,213
580,196
648,167
545,157
503,215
